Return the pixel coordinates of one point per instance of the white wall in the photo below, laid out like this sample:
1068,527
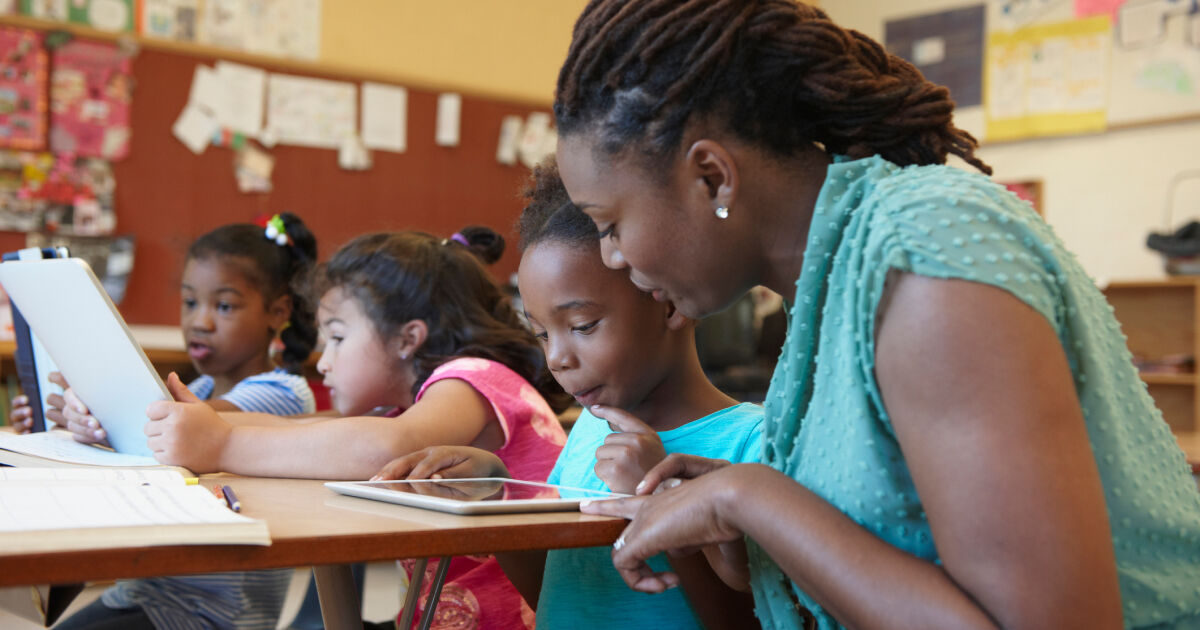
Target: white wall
1102,193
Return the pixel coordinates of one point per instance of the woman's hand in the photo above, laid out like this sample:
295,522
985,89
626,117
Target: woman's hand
689,516
186,432
444,462
628,453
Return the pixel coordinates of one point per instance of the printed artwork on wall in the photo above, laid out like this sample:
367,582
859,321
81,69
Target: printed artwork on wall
23,67
90,93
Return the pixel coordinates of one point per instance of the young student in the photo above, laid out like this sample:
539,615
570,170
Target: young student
955,433
237,298
632,363
412,323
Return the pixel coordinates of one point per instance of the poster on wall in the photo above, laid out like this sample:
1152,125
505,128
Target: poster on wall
90,93
170,19
64,194
947,47
282,28
105,15
310,112
23,68
1048,79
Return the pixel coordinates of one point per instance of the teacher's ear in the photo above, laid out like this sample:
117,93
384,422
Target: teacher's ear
713,174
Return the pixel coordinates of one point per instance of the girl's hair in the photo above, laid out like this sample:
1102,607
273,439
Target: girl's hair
779,73
275,270
549,214
401,276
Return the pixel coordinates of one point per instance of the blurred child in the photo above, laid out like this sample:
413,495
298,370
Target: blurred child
632,362
237,298
412,323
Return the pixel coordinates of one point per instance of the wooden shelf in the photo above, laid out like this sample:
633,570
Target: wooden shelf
1160,378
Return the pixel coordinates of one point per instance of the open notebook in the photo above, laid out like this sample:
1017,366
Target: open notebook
56,448
66,509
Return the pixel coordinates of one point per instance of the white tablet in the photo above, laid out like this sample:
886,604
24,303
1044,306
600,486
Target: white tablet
489,495
67,308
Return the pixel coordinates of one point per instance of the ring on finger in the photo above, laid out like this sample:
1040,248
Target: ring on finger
620,543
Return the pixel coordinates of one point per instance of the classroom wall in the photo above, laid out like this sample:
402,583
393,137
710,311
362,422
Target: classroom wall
509,50
1102,193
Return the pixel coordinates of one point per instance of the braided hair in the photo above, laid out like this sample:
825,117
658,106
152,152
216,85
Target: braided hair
274,270
549,215
397,277
779,73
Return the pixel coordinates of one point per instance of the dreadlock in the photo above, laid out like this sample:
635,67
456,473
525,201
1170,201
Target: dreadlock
780,73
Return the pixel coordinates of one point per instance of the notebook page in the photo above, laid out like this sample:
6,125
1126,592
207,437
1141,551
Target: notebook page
33,508
60,445
92,475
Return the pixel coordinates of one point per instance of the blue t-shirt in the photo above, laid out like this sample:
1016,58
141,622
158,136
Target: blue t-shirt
826,425
580,587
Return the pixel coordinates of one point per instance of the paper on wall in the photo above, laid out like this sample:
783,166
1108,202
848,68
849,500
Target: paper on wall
510,135
353,155
449,112
533,138
207,92
253,168
244,88
384,117
195,128
310,112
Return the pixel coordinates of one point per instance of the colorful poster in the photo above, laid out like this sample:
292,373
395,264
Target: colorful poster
947,47
23,68
1048,79
105,15
90,93
170,19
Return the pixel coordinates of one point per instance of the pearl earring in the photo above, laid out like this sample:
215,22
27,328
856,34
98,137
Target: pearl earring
403,356
722,212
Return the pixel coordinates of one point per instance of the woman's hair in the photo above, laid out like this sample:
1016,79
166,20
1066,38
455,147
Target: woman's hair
778,73
401,276
549,214
275,270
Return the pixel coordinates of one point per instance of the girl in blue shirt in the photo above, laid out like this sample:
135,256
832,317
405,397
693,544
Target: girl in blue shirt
955,433
632,363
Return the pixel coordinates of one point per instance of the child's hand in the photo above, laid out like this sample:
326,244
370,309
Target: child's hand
628,454
78,419
21,415
187,432
444,462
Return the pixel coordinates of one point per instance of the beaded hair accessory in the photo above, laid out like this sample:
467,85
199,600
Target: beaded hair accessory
277,231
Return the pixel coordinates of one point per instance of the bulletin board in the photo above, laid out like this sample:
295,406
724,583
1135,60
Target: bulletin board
166,196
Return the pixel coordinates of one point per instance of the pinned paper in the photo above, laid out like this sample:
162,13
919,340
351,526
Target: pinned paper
252,169
207,92
311,112
384,117
353,156
195,128
244,90
449,112
533,138
510,135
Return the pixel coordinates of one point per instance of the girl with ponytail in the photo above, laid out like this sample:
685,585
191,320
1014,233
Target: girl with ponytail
955,434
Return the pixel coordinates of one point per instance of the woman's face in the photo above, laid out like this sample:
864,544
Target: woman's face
663,229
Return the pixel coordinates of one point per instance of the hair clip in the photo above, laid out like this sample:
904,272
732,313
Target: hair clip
276,231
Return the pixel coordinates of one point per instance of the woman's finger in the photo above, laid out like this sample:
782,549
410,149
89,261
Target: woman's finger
621,508
678,465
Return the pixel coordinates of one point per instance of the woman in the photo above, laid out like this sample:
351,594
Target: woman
955,433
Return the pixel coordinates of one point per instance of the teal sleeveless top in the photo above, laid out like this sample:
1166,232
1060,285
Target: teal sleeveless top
826,425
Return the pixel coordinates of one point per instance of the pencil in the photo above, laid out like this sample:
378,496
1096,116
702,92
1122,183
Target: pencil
232,499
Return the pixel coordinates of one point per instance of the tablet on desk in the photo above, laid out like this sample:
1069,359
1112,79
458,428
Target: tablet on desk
67,308
489,495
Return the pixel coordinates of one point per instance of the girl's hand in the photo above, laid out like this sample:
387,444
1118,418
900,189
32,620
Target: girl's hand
21,415
689,516
187,432
55,403
84,427
444,462
625,456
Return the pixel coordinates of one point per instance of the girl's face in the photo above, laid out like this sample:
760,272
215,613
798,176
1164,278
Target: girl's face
666,233
359,371
605,341
227,325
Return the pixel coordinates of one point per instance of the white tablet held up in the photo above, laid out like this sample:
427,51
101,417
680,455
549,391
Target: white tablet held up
68,310
486,495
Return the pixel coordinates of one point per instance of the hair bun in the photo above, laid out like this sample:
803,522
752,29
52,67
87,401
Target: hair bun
484,242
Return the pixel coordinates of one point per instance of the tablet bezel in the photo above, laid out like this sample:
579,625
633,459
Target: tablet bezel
374,490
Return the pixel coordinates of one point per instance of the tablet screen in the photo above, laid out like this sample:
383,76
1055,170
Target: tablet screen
488,489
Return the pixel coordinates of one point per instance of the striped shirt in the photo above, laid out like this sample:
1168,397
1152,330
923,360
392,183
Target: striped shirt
248,600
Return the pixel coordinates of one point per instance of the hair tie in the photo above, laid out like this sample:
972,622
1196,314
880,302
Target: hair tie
460,238
277,231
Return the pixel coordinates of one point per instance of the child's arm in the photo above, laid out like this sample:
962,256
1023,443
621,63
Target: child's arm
195,436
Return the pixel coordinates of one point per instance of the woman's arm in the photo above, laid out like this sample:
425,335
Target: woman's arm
193,435
983,403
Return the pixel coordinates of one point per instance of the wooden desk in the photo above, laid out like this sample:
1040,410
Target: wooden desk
311,525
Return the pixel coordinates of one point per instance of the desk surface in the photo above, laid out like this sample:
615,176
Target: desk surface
311,525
